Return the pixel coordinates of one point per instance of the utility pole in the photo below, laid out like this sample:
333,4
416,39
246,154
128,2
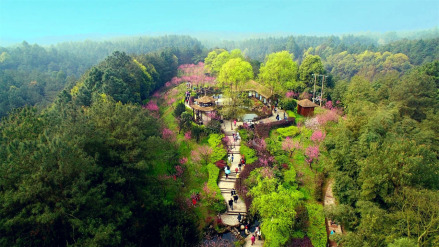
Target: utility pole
321,95
314,92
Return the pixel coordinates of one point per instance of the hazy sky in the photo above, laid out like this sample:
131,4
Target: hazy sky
32,20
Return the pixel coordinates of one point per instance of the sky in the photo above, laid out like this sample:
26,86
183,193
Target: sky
37,20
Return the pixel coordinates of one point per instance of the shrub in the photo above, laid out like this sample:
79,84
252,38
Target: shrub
215,142
219,205
288,104
288,131
263,129
249,154
179,109
317,227
214,126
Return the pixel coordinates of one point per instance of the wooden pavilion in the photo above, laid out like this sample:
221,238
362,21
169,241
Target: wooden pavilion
305,107
204,104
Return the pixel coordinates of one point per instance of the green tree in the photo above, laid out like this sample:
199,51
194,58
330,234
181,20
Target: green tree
311,64
279,72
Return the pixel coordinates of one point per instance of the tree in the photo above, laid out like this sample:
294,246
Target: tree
233,74
289,145
312,64
202,154
279,72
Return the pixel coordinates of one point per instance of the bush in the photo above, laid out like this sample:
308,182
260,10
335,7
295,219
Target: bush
218,149
317,226
179,109
214,126
263,129
249,154
288,104
212,183
288,131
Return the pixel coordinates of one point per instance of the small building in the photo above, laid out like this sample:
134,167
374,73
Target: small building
258,91
305,107
204,104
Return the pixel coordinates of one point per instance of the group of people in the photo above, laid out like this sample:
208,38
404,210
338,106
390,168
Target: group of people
278,117
233,199
256,233
187,97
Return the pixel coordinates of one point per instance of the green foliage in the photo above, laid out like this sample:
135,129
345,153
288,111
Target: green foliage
279,72
249,154
288,104
75,161
317,229
311,64
179,109
219,205
290,131
235,72
276,207
219,152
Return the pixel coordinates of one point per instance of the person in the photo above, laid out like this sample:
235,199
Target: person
259,234
239,217
234,121
253,239
231,203
246,230
277,117
232,157
233,192
236,170
332,232
194,202
235,198
239,166
227,173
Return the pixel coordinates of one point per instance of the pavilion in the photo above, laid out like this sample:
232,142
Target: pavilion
258,91
203,104
305,107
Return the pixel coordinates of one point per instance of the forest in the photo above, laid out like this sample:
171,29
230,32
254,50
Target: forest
98,146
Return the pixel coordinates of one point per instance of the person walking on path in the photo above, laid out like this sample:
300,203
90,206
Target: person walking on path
236,170
233,192
231,203
235,198
227,173
253,239
234,121
239,166
232,157
239,217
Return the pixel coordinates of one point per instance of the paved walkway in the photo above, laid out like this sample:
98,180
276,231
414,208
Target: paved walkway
330,200
226,185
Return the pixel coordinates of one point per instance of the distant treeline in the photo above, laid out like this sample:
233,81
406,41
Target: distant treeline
34,75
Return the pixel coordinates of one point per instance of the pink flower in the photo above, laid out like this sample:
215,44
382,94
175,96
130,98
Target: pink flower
151,106
178,170
187,135
329,105
312,152
318,136
168,134
183,160
290,146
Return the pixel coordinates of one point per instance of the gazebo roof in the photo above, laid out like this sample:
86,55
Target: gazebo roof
202,108
205,100
306,103
259,88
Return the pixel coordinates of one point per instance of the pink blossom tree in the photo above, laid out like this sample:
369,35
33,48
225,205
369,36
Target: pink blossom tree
318,136
202,154
328,116
153,108
187,136
312,153
289,145
168,135
329,105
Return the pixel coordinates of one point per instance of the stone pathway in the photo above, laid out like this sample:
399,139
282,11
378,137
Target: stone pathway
226,185
330,200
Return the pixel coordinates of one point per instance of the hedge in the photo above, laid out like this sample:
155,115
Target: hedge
249,154
212,183
218,149
288,131
317,227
